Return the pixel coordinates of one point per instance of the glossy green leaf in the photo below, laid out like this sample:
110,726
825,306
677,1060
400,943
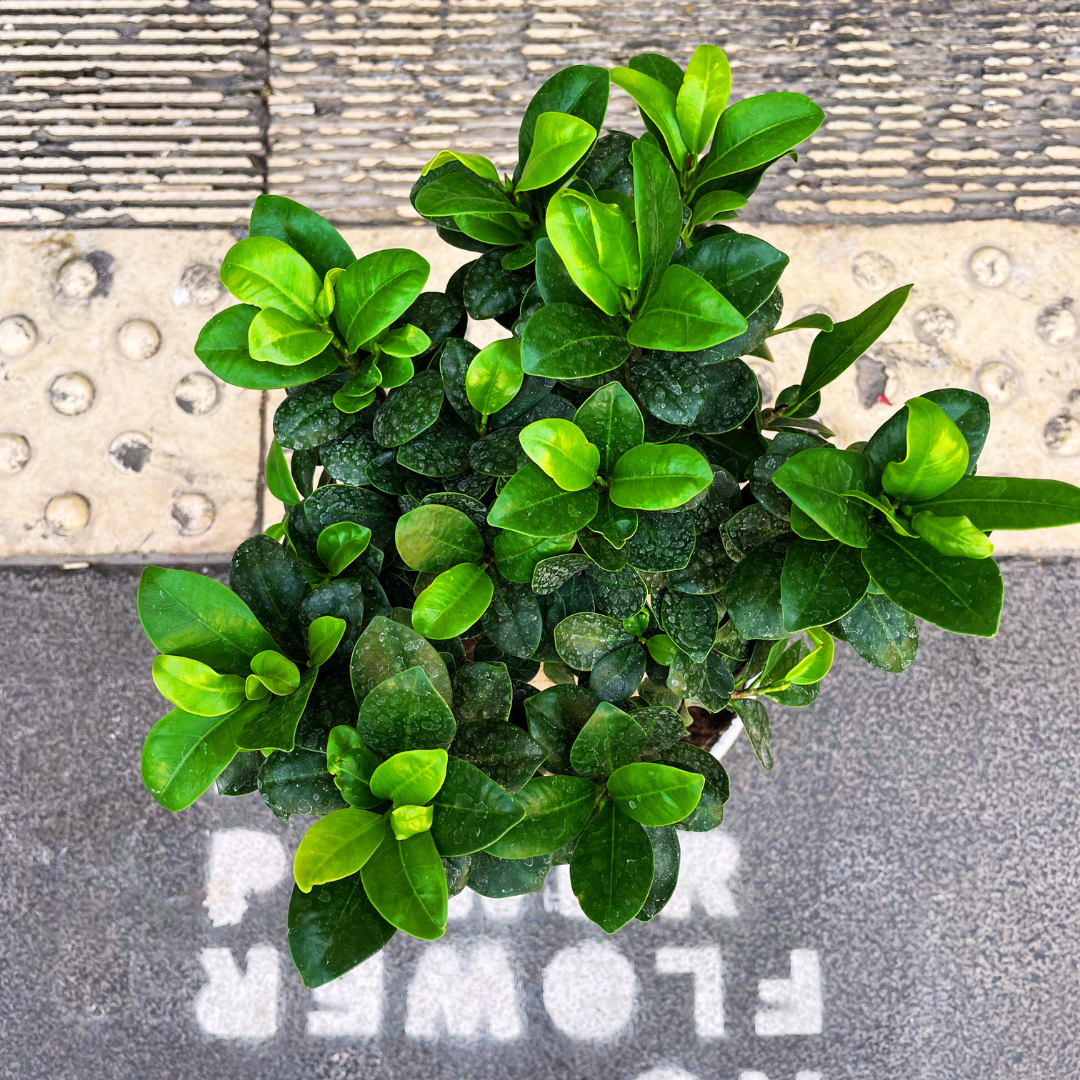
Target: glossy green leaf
561,449
309,233
609,740
280,339
375,290
186,614
499,878
266,272
409,410
500,750
494,376
1006,502
702,96
654,794
834,351
466,193
324,302
657,214
433,538
559,143
743,269
611,871
753,596
666,858
277,673
691,621
716,206
616,242
658,103
279,480
513,621
455,600
482,692
937,455
195,687
556,809
611,420
476,163
411,777
569,223
351,764
532,503
659,476
358,393
616,676
757,130
271,581
341,544
255,689
566,342
405,341
517,555
406,821
815,480
387,648
297,782
333,929
405,712
183,753
222,346
814,667
684,314
710,810
616,524
755,721
882,633
662,542
820,583
815,321
952,535
406,883
584,637
274,728
471,811
662,649
957,594
308,418
336,846
555,716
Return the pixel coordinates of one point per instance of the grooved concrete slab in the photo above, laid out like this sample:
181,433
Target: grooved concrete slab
897,898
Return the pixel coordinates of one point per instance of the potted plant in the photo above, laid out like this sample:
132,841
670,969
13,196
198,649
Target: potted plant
599,492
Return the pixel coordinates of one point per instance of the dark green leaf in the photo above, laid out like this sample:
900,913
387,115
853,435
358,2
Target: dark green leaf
619,594
820,583
662,542
441,451
1002,502
881,633
405,712
663,727
512,622
554,282
657,212
270,581
690,621
532,503
409,410
518,555
609,740
490,290
611,421
814,480
583,638
298,783
743,269
556,809
302,229
309,417
556,716
499,878
955,593
482,692
755,721
387,648
500,750
752,595
274,728
611,870
471,811
562,341
666,858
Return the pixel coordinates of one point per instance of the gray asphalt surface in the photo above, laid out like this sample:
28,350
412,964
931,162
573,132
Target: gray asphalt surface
919,833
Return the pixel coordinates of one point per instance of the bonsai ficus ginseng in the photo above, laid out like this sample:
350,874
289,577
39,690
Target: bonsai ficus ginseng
599,492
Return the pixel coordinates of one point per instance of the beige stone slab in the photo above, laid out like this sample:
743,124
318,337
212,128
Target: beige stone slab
116,464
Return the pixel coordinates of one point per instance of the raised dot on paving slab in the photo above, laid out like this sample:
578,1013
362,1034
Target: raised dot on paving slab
1061,434
196,393
18,335
67,513
77,278
1056,324
138,339
934,324
872,270
193,513
199,285
130,451
14,452
990,266
71,394
998,382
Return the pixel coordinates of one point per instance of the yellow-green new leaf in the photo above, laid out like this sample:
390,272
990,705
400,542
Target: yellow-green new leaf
411,777
477,163
658,103
278,338
341,544
952,535
452,602
494,376
937,454
324,635
569,223
195,687
276,672
407,821
336,846
266,272
560,448
702,96
559,143
813,668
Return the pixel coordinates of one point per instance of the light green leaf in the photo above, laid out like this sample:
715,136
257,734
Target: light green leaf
556,809
341,544
266,272
324,302
276,672
375,291
560,448
716,205
279,479
685,314
658,103
494,376
821,583
452,602
351,764
336,846
815,480
195,687
559,142
952,535
656,476
702,96
324,636
405,341
654,794
411,777
569,224
433,538
405,881
937,455
406,821
813,668
612,421
278,338
476,162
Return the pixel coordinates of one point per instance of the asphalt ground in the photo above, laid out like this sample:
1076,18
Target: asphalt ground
905,882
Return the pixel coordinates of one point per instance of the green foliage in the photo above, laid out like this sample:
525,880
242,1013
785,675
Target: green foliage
601,492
